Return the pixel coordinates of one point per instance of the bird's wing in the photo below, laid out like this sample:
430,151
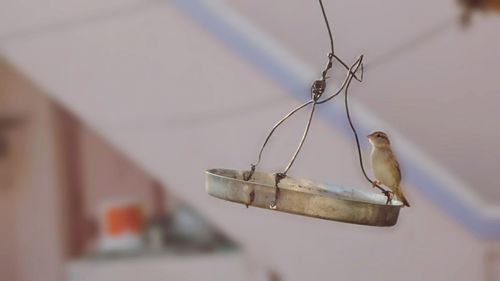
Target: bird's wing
395,165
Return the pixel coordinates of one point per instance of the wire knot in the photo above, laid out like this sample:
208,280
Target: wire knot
248,175
318,88
278,177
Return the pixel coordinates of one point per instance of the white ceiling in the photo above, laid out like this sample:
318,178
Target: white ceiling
25,17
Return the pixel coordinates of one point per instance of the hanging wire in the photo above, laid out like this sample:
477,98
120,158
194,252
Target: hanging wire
330,33
353,69
248,175
332,46
345,86
317,90
358,146
301,140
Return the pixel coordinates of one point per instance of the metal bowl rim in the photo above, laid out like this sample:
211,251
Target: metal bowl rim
330,194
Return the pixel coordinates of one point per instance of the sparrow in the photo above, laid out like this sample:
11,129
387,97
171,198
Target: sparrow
385,166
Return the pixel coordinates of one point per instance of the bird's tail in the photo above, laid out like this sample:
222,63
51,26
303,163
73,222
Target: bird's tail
403,199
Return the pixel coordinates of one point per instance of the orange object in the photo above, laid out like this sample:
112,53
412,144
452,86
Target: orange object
123,218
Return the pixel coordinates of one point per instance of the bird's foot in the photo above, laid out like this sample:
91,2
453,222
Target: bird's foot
251,196
376,183
389,195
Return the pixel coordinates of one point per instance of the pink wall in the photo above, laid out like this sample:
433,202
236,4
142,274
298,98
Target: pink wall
32,240
53,158
107,175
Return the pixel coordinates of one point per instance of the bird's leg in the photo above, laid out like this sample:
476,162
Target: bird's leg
277,178
389,195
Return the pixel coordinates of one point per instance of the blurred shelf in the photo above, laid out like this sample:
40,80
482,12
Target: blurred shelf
208,266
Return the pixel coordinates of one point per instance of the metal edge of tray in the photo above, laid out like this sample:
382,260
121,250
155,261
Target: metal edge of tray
303,197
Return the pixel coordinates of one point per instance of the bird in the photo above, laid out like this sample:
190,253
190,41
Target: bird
385,166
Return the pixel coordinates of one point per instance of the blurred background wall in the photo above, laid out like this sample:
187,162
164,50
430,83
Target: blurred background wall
32,200
58,176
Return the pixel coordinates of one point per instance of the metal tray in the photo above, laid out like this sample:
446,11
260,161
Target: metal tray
303,197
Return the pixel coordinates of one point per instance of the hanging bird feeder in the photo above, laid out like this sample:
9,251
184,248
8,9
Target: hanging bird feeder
278,191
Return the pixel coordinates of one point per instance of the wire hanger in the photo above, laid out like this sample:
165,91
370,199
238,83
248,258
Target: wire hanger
318,87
